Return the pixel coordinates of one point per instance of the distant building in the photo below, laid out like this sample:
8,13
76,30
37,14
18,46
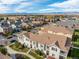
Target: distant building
13,26
3,40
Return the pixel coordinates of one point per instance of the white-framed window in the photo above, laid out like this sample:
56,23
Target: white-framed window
34,43
53,54
55,49
41,45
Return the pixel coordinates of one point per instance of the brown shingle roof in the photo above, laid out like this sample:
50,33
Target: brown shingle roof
57,29
22,33
48,39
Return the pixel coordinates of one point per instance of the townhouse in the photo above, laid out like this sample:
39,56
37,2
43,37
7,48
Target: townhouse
53,40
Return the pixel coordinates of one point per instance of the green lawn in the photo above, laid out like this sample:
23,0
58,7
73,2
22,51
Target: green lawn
35,55
77,32
69,58
75,44
26,57
18,47
75,38
74,53
75,41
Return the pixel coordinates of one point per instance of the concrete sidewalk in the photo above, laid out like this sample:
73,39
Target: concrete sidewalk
11,51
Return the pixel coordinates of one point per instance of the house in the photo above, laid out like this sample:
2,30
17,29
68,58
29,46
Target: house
3,40
70,24
37,23
13,26
5,23
54,41
25,25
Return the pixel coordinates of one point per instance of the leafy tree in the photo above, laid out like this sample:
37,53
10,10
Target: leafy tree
3,50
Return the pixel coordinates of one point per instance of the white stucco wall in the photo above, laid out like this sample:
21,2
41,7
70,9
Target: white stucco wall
24,40
56,53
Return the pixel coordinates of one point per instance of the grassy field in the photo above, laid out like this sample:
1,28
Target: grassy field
18,47
74,53
75,38
35,55
69,58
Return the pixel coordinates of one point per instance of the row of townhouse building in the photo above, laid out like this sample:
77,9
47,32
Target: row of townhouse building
53,40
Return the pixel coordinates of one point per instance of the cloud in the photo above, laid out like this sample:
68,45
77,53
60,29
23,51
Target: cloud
26,3
23,7
39,0
20,10
4,9
8,1
67,4
36,6
58,10
17,6
70,10
50,10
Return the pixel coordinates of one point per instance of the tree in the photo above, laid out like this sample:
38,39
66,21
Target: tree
7,33
3,50
1,18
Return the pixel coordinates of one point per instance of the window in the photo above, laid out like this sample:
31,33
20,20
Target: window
41,45
47,47
54,49
53,55
62,52
47,52
44,47
33,42
36,44
27,40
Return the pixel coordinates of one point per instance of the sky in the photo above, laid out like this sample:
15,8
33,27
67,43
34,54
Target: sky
38,6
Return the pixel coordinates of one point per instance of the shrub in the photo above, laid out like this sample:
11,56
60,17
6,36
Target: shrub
3,50
35,55
39,52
